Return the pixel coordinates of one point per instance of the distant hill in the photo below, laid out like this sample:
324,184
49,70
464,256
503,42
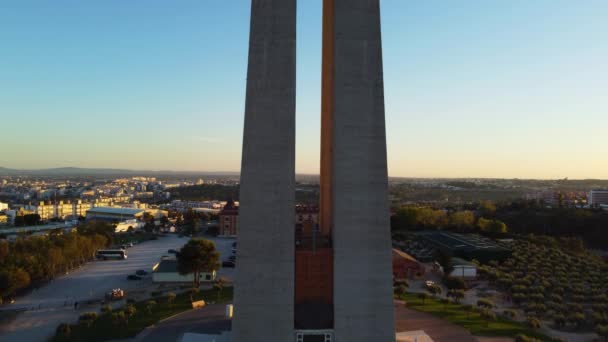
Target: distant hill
77,171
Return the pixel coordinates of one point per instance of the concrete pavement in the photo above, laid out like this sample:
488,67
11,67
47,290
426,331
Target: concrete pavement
46,307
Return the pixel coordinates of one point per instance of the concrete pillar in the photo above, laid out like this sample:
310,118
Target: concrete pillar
363,301
264,284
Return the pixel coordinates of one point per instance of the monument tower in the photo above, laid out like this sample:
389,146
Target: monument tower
331,282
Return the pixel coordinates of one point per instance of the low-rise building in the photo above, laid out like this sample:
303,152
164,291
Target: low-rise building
598,198
406,266
463,269
166,272
114,214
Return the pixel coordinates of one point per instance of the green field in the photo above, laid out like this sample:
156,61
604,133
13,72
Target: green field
473,321
104,328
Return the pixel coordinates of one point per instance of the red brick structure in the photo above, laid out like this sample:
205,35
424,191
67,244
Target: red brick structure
405,266
229,219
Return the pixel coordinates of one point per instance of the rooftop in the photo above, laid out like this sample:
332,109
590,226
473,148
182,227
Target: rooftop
116,211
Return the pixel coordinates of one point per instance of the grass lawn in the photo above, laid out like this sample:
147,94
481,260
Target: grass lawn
104,329
473,322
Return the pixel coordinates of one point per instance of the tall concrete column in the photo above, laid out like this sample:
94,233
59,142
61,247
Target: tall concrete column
363,298
264,284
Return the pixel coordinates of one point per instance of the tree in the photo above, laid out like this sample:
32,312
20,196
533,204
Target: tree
602,331
488,315
88,318
198,256
456,295
445,260
106,309
193,292
435,290
400,290
423,296
164,220
510,313
463,220
171,298
468,308
487,208
218,286
492,226
149,305
533,322
63,329
129,312
485,303
118,317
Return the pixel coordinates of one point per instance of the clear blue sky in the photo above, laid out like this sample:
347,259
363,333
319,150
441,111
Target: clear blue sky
506,88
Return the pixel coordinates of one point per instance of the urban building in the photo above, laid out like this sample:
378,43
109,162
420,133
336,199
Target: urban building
229,219
598,198
334,282
114,214
3,206
3,219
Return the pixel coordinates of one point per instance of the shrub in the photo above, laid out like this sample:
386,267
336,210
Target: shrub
400,290
533,322
88,316
106,309
510,313
453,283
63,329
485,303
156,293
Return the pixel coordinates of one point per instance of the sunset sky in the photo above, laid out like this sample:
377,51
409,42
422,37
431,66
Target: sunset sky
506,88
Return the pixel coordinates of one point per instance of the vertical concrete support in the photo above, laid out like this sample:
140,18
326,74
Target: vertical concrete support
264,284
363,304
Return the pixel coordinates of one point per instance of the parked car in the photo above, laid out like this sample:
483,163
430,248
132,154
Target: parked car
141,273
172,251
133,277
229,263
232,258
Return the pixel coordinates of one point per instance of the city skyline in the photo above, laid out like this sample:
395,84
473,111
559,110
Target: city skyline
479,90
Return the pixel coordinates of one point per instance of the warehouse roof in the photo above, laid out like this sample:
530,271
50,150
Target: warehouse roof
116,211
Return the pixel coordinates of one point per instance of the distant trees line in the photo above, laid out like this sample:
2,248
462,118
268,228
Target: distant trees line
32,261
208,192
419,218
520,217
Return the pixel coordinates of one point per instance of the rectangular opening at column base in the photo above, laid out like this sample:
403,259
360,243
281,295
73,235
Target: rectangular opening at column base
314,335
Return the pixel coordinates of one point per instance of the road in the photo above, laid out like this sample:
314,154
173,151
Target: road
207,320
47,305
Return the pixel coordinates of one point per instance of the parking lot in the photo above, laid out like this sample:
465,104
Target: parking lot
53,304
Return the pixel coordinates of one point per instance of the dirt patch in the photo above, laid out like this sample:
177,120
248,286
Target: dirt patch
438,330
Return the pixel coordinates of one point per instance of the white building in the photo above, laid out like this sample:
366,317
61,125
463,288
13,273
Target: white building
463,269
128,224
598,197
166,272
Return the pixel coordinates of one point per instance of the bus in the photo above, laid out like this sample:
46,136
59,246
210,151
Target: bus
105,254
